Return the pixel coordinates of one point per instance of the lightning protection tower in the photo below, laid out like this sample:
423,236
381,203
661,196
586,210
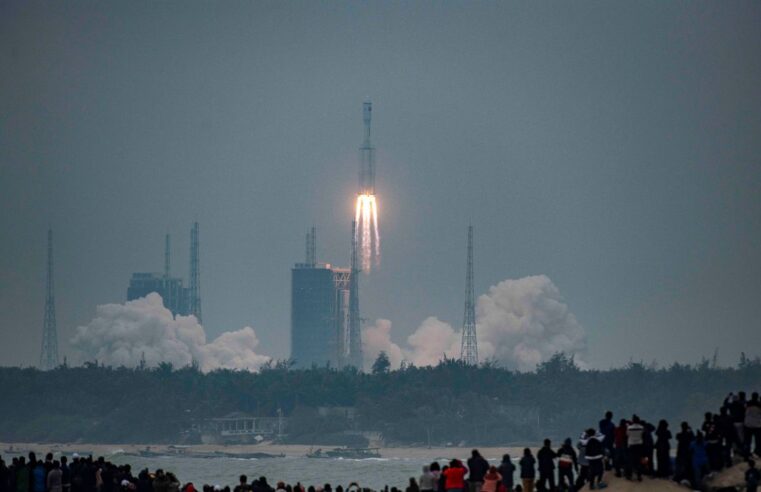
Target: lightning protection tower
469,345
49,351
311,249
195,275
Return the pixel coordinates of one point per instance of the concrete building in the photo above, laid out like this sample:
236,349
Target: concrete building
320,312
176,297
180,300
319,315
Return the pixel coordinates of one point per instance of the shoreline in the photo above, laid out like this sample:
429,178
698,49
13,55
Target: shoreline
229,451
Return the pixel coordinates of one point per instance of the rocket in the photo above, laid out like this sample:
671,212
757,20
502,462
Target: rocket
367,155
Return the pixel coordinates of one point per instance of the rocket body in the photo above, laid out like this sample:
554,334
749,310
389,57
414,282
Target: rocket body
367,155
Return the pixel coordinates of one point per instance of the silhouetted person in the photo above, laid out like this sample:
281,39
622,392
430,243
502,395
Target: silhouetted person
683,461
243,485
699,460
753,426
507,469
39,477
663,449
54,480
546,459
478,467
567,464
594,452
528,471
620,460
635,446
427,481
608,429
413,486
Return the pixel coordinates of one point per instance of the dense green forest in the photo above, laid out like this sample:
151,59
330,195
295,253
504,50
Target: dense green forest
449,403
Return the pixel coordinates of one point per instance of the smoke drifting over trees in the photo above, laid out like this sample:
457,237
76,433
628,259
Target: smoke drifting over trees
520,324
143,329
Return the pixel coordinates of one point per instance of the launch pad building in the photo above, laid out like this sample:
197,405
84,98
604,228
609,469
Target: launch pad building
321,321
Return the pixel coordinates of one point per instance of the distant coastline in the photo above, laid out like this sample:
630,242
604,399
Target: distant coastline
289,450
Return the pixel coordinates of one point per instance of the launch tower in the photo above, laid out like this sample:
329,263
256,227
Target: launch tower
355,332
469,345
49,351
195,275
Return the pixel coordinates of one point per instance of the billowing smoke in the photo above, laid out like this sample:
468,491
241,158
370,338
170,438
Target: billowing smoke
377,339
523,322
123,334
519,323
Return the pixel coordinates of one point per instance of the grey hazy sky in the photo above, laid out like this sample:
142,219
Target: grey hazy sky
613,146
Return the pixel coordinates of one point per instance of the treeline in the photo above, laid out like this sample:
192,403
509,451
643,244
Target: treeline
449,403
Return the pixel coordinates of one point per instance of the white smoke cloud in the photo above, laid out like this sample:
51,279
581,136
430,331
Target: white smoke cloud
122,334
519,324
431,342
377,339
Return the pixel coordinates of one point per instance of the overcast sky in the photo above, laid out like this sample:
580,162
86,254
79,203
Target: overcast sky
613,146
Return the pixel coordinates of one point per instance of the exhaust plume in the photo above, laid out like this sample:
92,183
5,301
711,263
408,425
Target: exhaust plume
519,323
125,334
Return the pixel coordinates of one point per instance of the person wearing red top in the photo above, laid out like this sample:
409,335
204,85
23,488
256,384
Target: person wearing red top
454,476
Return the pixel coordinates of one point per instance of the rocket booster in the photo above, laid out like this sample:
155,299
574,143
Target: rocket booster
367,155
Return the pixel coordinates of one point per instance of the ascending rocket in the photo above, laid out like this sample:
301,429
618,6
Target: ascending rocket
367,155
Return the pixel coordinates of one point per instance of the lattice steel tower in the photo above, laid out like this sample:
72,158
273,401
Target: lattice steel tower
469,345
49,351
355,332
311,255
195,275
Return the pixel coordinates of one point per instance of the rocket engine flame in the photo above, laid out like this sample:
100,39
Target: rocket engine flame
368,237
366,213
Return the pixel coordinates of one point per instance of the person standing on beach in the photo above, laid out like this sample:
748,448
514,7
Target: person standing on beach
492,480
737,412
683,463
581,447
699,460
663,449
436,473
65,475
39,477
442,478
594,452
608,429
243,485
635,450
753,426
427,480
54,480
478,467
528,471
619,449
567,464
454,476
546,458
507,469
